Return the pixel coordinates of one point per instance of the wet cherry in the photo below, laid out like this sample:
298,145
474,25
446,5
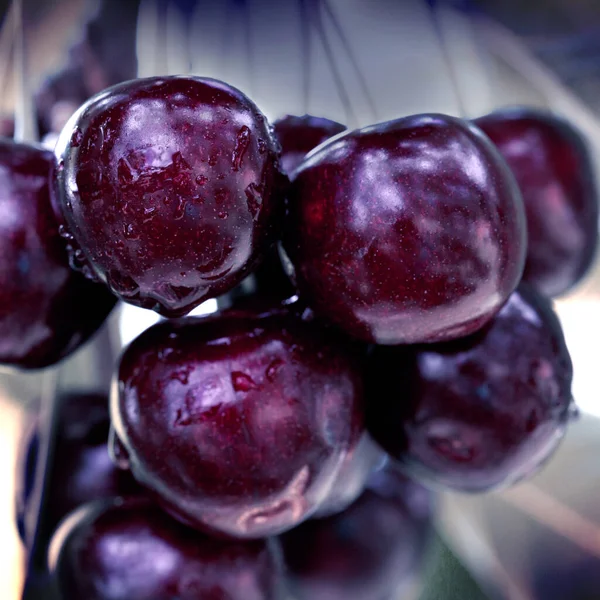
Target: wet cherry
46,310
170,187
299,135
239,422
132,551
372,551
408,231
479,413
553,167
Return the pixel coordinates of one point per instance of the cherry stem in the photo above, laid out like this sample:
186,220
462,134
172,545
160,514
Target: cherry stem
26,129
306,52
348,49
438,27
315,15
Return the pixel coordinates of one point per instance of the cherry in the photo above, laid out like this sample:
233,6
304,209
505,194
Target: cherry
350,482
171,187
46,310
239,422
407,231
554,170
131,550
479,413
299,135
372,551
82,469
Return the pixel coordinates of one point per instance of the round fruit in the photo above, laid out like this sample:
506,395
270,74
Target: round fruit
555,173
170,187
132,551
46,310
479,413
372,551
408,231
299,135
239,422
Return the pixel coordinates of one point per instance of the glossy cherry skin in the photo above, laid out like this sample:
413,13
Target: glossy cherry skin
408,231
479,413
131,550
239,422
82,469
170,187
46,310
299,135
555,173
372,551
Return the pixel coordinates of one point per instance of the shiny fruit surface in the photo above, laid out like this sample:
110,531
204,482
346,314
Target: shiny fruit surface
479,413
46,310
170,188
554,169
239,422
408,231
131,550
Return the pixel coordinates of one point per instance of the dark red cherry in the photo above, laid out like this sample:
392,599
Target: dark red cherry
350,482
408,231
299,135
46,310
372,551
239,422
132,551
479,413
82,469
170,186
553,167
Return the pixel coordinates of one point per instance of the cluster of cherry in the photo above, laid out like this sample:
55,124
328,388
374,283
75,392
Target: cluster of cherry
399,325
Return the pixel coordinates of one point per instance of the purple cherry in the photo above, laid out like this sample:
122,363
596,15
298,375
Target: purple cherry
299,135
132,551
478,413
46,310
553,167
407,231
372,551
170,186
239,422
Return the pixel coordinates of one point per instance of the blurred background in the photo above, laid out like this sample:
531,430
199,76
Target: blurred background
369,60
